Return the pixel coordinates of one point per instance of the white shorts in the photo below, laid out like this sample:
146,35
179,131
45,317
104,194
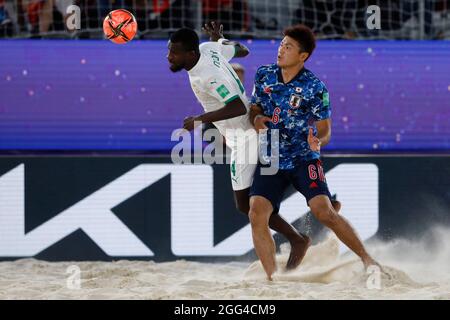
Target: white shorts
244,159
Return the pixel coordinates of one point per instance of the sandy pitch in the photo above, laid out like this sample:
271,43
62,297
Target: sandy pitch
416,273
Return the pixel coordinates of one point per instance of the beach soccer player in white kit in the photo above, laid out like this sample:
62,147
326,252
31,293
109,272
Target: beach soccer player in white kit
222,95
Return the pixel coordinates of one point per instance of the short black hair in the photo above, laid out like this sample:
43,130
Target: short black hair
187,37
304,36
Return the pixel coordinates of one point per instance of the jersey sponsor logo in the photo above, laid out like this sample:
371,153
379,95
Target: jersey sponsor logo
313,185
223,91
295,101
326,99
233,168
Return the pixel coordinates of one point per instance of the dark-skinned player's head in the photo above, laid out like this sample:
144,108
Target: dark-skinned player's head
296,47
183,49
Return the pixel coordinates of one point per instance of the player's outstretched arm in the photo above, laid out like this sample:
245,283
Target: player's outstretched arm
233,109
215,32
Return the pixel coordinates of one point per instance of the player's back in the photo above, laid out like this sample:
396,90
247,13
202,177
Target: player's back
216,84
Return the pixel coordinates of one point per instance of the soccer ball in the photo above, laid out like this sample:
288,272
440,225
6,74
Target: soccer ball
120,26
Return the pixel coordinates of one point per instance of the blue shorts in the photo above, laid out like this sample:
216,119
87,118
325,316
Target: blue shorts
308,178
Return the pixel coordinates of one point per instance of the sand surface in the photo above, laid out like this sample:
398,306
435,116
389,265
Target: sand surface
417,270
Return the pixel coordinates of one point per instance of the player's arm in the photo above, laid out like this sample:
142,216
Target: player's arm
240,50
232,109
323,131
215,32
221,88
322,115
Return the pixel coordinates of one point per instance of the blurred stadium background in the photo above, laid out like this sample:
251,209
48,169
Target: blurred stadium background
339,19
85,126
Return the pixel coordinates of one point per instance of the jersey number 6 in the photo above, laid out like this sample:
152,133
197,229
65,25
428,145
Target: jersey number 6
275,116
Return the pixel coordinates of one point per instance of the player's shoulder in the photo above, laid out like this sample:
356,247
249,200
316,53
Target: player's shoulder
315,82
267,68
265,71
209,45
206,64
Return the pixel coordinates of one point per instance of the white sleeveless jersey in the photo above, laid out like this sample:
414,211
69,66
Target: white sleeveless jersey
215,84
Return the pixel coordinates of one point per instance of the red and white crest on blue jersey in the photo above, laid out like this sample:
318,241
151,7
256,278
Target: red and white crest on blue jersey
298,89
295,101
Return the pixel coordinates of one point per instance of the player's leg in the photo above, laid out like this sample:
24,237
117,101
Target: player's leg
243,165
324,212
242,200
266,194
243,175
310,181
276,222
259,214
297,240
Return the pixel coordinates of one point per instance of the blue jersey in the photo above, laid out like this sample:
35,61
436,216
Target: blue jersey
293,107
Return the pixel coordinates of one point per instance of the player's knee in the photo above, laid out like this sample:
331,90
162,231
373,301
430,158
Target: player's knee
259,213
257,219
253,216
325,215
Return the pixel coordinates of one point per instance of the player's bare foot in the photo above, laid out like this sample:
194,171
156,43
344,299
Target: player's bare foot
302,243
271,270
298,251
369,261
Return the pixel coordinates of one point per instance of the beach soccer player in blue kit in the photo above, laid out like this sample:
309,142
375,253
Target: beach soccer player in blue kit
289,98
